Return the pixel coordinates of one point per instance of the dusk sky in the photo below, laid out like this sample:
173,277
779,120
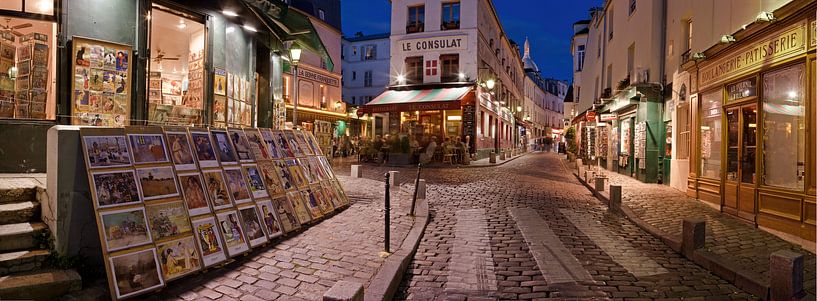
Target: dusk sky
547,24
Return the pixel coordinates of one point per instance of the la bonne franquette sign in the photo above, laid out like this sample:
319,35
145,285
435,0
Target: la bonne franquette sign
434,43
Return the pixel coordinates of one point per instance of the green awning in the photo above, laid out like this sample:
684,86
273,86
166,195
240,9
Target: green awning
291,24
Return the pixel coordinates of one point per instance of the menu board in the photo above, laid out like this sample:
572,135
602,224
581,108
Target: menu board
171,201
100,89
640,141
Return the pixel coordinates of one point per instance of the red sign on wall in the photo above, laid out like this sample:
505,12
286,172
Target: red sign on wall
431,68
591,116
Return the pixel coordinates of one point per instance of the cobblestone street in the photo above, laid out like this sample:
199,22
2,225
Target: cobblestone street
528,230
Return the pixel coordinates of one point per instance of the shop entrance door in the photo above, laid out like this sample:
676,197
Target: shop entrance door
739,197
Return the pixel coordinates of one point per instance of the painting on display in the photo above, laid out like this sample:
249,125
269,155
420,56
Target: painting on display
115,188
193,190
224,148
157,182
134,273
220,82
101,85
107,151
233,233
125,228
180,150
209,240
236,184
168,220
216,189
285,212
252,225
178,257
203,147
271,222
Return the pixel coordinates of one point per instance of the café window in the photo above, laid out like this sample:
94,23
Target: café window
451,16
27,60
710,114
416,19
784,136
451,67
176,69
414,69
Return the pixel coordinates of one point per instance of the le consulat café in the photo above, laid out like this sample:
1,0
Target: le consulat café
753,115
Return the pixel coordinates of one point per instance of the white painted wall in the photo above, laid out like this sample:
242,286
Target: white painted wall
355,67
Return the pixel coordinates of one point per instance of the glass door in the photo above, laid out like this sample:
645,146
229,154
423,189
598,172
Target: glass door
730,201
739,196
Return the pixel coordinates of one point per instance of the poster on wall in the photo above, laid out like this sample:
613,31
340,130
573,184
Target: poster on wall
100,91
640,140
220,82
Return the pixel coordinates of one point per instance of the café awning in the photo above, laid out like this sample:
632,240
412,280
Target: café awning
419,100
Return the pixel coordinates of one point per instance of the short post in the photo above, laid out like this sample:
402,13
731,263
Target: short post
416,189
356,171
693,235
502,155
393,175
786,275
579,162
599,183
421,190
615,198
492,157
344,291
387,213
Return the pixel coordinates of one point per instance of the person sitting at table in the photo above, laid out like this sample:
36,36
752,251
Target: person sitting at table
426,156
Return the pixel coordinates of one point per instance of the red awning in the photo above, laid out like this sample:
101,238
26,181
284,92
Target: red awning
419,100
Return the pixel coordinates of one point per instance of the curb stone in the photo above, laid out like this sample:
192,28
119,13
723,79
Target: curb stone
746,280
385,283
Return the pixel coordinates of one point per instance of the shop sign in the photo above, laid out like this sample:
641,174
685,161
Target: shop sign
609,117
777,47
813,34
404,107
458,42
317,77
591,116
741,89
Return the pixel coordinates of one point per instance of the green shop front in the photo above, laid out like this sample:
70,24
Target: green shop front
628,134
139,62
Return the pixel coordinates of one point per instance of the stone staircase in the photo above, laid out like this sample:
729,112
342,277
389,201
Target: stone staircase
24,270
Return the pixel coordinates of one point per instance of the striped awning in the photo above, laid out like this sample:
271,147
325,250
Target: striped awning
418,100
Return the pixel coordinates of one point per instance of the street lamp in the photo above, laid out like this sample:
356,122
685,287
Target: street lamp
490,84
294,59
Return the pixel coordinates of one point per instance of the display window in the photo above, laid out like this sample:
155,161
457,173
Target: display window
710,114
27,60
176,70
784,134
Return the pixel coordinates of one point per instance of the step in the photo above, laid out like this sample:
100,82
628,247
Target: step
28,211
19,189
39,285
21,236
22,261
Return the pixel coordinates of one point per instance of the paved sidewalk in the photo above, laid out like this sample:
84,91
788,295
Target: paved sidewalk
665,209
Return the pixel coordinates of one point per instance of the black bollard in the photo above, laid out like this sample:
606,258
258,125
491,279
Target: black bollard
386,220
416,185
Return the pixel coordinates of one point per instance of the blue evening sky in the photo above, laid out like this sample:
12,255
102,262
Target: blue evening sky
546,23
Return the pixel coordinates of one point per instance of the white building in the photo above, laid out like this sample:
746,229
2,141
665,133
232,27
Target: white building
578,49
365,67
544,101
444,58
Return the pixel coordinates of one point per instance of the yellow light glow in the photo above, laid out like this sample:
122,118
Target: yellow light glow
454,118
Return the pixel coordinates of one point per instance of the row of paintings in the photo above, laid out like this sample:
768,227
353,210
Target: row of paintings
166,210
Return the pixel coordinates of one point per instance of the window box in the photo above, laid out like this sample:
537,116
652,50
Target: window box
417,27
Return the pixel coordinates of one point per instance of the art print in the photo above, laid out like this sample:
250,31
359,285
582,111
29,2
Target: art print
217,189
97,79
39,79
303,145
82,78
309,171
220,108
178,258
326,166
255,181
242,146
259,150
97,54
171,87
106,151
313,143
82,56
121,60
273,150
168,219
148,148
271,179
315,165
180,150
283,144
115,188
40,55
220,82
24,53
293,144
323,201
236,184
23,68
135,273
157,182
284,174
299,206
121,83
82,97
271,222
6,51
286,214
124,228
252,225
195,195
109,59
203,146
232,232
108,82
224,149
331,195
339,192
210,245
297,174
312,202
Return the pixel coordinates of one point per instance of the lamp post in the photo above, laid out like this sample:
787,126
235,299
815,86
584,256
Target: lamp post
294,59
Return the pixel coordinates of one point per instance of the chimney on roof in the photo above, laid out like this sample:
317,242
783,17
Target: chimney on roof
358,34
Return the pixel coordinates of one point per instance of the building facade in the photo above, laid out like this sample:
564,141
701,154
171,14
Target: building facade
543,107
454,73
365,67
578,50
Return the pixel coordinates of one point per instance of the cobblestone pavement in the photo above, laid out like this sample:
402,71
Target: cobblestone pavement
749,247
535,232
303,267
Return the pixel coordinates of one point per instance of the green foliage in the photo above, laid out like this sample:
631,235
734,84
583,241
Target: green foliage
570,136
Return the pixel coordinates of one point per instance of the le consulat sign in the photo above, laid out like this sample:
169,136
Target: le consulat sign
784,44
457,42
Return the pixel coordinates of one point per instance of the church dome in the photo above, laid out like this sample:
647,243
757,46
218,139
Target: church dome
527,61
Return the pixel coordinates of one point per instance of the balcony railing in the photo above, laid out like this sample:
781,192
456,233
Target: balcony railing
415,27
685,56
450,25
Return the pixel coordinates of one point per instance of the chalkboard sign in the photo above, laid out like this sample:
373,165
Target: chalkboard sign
469,124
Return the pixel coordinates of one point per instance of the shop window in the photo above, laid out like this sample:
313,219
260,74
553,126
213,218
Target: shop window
451,67
176,77
682,149
414,69
451,16
784,137
27,64
40,7
416,19
710,114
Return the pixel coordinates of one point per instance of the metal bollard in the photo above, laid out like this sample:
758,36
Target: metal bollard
599,183
615,198
421,194
492,158
394,181
386,219
356,171
416,188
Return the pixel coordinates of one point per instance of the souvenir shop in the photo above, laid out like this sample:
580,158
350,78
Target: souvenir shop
752,111
174,69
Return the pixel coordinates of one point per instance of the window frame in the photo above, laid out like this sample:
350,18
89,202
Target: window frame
418,24
454,20
414,69
449,72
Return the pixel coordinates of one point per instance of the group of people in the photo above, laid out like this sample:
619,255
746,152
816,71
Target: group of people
421,148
